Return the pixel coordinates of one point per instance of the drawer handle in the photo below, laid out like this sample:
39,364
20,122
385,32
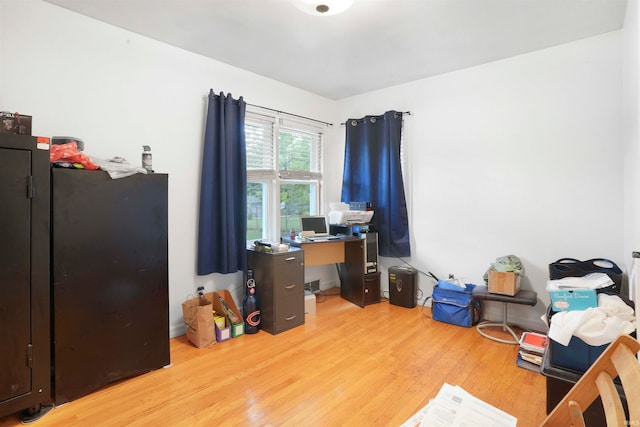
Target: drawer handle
291,258
290,286
290,317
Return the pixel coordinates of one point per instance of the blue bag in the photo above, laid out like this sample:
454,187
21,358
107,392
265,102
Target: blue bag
454,305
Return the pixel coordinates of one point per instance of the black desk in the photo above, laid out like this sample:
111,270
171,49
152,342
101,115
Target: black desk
324,251
349,254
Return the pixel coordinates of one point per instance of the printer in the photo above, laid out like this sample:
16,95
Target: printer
342,214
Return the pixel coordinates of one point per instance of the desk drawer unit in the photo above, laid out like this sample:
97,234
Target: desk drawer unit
356,285
280,288
371,288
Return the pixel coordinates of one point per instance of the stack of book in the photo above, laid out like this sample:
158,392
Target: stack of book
532,345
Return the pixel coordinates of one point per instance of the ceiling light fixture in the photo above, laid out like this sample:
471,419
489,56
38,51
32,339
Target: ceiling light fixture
322,7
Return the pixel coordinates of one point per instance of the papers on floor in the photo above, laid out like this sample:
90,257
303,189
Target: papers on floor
590,281
454,407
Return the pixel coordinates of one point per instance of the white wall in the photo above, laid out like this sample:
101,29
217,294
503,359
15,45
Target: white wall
521,156
116,91
518,156
630,136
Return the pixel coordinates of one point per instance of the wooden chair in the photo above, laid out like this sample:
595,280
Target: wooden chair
619,359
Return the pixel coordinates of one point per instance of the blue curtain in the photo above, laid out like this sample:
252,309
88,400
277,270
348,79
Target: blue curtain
223,188
372,173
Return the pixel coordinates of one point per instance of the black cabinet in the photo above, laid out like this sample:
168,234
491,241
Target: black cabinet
24,274
109,279
280,288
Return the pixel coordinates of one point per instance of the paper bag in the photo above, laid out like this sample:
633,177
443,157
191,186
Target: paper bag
198,316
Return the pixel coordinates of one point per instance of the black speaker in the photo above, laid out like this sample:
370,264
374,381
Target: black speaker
402,286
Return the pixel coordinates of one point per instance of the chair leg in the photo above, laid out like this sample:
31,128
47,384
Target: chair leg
505,327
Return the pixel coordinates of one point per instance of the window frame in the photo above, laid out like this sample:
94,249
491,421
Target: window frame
272,179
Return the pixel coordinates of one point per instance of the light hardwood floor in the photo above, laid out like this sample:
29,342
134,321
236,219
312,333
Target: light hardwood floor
346,366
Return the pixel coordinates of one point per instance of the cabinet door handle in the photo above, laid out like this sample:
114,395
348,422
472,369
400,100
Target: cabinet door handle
290,286
291,258
290,317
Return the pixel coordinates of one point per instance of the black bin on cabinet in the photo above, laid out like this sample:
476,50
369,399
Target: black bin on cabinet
571,267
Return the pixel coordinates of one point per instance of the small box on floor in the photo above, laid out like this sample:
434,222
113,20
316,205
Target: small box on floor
504,283
223,330
309,302
223,298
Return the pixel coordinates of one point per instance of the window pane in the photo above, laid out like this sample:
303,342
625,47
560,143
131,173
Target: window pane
259,143
296,200
298,151
256,211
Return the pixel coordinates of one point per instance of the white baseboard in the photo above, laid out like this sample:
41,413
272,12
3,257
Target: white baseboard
330,284
177,330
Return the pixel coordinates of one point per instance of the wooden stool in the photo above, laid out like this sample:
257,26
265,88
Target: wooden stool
522,297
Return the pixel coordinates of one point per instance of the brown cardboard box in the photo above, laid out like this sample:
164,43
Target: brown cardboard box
503,283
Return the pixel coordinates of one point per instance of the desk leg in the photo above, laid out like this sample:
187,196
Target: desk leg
352,273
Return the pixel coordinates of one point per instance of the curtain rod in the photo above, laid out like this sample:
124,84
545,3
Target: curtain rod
408,113
290,114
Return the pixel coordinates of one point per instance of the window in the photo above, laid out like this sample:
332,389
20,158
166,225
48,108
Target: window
284,173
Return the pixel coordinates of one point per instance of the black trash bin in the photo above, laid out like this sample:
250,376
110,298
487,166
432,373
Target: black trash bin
402,286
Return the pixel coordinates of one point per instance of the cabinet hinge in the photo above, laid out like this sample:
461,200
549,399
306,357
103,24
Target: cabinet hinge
29,356
30,187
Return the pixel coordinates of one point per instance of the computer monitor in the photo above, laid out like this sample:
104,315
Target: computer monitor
313,226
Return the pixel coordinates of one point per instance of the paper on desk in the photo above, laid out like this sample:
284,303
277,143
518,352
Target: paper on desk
454,407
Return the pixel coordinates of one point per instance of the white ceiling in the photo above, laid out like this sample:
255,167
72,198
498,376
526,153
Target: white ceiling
373,45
